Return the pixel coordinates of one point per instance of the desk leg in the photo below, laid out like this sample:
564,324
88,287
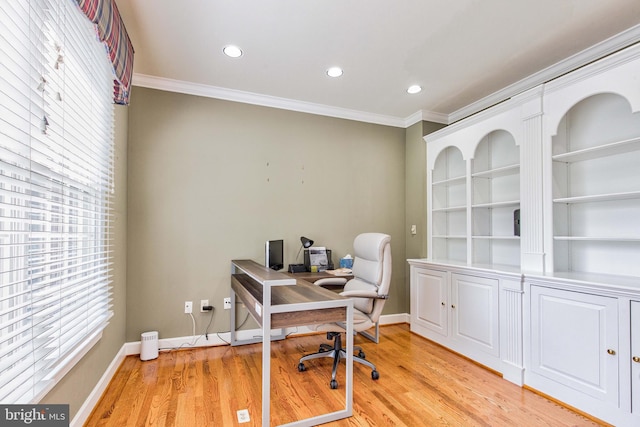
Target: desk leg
232,313
266,356
232,320
349,361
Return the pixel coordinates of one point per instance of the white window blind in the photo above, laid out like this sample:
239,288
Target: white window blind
56,181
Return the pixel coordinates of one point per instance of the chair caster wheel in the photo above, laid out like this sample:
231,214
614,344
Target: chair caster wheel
333,384
375,375
361,354
301,367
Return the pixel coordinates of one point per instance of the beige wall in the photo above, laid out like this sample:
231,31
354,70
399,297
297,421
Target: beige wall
76,386
416,194
211,181
416,187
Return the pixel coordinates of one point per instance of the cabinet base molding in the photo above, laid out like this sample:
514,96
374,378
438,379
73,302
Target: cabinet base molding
472,311
564,405
474,361
513,373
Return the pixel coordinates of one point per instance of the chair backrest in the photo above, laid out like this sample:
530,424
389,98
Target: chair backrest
371,271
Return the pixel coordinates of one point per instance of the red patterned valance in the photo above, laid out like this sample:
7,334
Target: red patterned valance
111,31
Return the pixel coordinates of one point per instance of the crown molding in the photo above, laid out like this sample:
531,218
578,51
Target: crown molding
427,116
614,60
481,116
179,86
593,53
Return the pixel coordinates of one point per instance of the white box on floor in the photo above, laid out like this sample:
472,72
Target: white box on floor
149,345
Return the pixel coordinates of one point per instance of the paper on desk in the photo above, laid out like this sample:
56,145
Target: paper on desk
318,256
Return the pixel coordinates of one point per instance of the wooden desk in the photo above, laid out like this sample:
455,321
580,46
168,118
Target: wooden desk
276,300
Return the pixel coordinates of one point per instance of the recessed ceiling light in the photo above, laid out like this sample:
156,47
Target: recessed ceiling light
414,89
334,72
232,51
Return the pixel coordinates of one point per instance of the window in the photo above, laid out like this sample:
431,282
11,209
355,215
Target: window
56,183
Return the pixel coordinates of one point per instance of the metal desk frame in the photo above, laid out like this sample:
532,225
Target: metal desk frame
272,283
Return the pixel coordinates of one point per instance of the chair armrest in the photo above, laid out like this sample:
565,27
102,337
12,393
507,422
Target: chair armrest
331,281
363,294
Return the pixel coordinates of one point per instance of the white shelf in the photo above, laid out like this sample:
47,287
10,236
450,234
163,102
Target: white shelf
450,209
597,239
497,204
618,147
599,197
451,181
445,236
498,172
496,237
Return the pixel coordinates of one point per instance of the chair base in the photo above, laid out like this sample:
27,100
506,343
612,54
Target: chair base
337,352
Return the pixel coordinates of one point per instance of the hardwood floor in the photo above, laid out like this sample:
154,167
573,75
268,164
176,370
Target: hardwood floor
421,384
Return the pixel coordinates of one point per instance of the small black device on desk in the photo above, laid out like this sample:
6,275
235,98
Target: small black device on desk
274,254
297,268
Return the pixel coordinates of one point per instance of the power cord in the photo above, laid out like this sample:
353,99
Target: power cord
205,333
195,338
240,326
206,330
193,322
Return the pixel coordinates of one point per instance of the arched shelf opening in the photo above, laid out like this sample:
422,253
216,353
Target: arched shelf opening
495,200
596,188
448,206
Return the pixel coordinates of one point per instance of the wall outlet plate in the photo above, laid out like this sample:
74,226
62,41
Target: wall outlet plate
203,303
227,303
188,307
243,416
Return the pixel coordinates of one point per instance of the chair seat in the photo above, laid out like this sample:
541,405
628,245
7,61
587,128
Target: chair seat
361,322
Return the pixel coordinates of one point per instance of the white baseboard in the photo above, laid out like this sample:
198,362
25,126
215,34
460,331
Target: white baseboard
215,339
91,401
223,338
390,319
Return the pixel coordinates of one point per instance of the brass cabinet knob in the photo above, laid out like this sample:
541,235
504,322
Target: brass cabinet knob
453,306
636,359
442,303
611,352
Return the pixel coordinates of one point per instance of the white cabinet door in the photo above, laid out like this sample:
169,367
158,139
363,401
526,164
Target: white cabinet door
635,357
474,314
574,341
429,300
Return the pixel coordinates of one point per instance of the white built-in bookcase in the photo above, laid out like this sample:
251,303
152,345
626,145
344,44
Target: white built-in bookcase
566,155
473,191
591,143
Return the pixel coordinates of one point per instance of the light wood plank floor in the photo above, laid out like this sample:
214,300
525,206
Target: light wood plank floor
421,384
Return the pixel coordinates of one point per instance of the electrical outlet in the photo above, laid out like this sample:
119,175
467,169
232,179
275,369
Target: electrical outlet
243,416
188,307
227,303
203,303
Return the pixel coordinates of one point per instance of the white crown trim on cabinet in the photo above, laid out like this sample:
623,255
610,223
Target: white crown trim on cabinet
593,53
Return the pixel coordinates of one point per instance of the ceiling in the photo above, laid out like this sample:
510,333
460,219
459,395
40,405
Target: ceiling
462,53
